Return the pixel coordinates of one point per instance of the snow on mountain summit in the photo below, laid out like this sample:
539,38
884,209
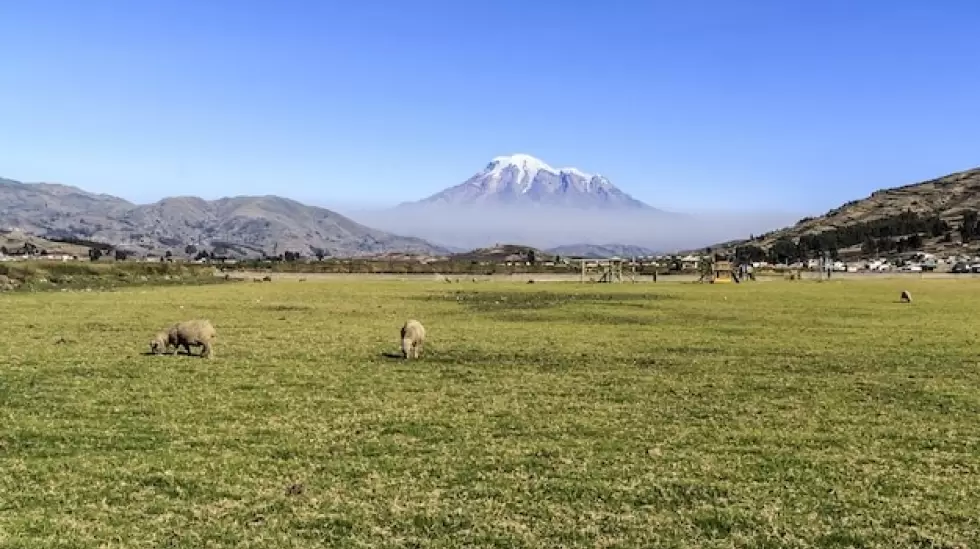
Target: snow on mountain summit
521,161
529,164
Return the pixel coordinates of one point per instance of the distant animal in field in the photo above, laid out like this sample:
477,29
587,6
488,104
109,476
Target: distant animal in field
302,280
906,297
198,332
413,338
266,278
256,280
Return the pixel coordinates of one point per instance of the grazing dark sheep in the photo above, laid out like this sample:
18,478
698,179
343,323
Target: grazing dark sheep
267,278
906,296
198,332
413,337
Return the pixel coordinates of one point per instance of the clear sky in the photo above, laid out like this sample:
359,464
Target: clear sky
758,105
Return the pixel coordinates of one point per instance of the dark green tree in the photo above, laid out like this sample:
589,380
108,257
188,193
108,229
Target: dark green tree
869,247
783,251
968,230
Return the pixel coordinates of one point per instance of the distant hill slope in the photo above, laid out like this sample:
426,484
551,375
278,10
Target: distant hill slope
937,215
18,242
600,251
238,226
504,252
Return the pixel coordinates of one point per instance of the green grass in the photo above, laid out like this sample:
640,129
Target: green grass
773,414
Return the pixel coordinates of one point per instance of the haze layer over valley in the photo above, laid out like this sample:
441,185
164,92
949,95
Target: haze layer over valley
519,198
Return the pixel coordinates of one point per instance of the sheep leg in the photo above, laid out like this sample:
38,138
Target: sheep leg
206,350
418,349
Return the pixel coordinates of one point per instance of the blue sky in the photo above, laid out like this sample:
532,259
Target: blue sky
762,105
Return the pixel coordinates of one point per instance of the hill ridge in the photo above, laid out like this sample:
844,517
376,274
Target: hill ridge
935,216
242,225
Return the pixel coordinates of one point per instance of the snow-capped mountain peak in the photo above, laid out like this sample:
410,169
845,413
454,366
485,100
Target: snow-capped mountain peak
525,167
530,165
523,179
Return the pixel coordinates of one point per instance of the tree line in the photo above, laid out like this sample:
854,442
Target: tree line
903,232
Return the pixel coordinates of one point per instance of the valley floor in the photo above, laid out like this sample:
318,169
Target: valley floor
782,414
576,277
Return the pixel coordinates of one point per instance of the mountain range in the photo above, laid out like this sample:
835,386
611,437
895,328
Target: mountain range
516,198
243,226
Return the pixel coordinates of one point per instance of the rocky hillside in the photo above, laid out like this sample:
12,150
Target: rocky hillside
939,215
244,226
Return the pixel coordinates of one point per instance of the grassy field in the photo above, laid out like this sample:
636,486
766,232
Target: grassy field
774,414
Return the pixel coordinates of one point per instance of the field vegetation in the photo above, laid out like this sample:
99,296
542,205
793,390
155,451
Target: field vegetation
772,414
33,276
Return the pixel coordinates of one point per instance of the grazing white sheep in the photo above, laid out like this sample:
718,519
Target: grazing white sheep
198,332
906,296
413,337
